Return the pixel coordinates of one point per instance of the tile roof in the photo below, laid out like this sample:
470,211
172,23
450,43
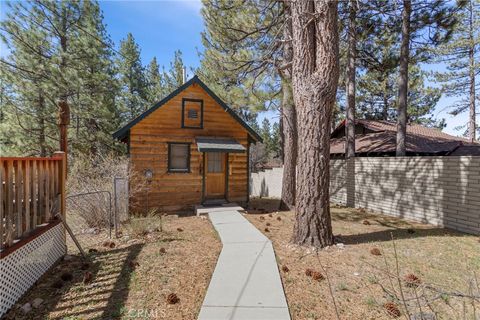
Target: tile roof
419,140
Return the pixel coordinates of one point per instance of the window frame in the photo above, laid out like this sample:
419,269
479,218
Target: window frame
183,113
171,170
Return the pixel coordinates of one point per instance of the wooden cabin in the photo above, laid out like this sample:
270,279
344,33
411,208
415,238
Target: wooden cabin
191,148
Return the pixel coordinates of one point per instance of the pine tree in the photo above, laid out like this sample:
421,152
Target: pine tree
156,89
94,115
266,134
60,61
315,74
174,76
134,89
461,56
377,91
424,23
235,39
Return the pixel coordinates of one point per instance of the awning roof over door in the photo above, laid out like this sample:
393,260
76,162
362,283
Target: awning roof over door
214,144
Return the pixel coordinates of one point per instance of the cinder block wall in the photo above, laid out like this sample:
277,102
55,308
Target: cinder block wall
442,191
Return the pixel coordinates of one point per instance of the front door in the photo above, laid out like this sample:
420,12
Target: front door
215,175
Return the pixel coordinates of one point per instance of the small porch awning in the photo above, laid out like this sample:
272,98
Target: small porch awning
214,144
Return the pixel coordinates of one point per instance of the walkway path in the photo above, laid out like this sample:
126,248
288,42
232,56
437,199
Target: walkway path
246,283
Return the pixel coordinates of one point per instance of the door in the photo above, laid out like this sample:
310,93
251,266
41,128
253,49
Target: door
215,175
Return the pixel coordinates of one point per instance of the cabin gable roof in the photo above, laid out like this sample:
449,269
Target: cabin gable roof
123,132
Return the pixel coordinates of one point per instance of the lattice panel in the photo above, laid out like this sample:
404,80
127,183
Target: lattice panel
23,267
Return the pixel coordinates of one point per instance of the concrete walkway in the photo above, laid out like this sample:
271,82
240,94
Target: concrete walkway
246,283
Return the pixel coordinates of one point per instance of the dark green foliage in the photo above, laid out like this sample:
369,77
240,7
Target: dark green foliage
461,55
236,62
133,98
41,68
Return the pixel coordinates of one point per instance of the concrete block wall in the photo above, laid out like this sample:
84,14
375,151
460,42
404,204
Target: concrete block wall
266,184
443,191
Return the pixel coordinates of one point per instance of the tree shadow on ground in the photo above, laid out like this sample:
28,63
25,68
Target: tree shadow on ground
392,227
396,234
103,297
263,205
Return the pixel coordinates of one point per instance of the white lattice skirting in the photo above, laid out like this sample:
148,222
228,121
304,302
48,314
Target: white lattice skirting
22,268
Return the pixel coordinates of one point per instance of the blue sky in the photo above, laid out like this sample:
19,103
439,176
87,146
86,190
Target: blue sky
160,27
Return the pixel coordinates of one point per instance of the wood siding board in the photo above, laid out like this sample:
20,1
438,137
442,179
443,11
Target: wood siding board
26,194
41,193
47,190
9,203
19,198
2,203
34,196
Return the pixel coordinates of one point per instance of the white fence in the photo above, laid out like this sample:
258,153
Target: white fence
443,191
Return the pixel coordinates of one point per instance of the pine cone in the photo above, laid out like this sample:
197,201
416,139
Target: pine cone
392,309
279,219
172,298
317,276
375,252
412,280
309,272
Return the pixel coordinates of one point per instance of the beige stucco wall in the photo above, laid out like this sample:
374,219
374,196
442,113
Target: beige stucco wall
443,191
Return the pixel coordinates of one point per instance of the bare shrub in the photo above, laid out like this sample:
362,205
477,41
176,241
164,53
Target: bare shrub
140,226
93,177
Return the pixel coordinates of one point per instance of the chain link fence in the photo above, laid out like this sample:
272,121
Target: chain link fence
90,217
95,217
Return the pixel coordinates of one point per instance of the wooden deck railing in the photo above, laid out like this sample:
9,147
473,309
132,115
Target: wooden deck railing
32,191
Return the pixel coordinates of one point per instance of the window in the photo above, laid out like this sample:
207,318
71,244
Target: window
192,113
178,157
215,162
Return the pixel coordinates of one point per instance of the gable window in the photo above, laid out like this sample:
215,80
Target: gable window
192,113
178,157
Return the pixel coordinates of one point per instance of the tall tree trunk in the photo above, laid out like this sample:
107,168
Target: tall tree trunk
403,80
471,123
351,70
385,100
288,120
289,127
63,108
315,79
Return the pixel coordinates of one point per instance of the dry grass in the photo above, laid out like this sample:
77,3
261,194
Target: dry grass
444,259
136,278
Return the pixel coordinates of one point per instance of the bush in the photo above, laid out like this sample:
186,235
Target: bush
90,181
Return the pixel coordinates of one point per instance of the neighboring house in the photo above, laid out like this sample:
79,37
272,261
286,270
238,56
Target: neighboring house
192,148
377,138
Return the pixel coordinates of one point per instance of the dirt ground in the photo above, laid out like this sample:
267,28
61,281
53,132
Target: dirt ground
445,265
135,277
